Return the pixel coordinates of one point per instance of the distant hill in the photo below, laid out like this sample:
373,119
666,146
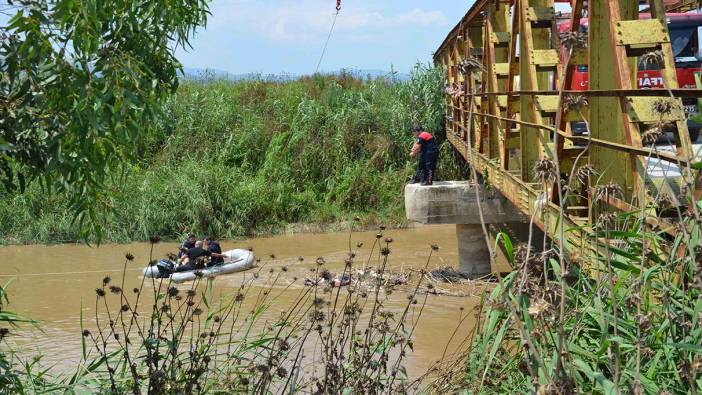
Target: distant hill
198,74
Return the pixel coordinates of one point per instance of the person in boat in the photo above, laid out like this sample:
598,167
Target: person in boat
187,244
194,258
425,146
212,245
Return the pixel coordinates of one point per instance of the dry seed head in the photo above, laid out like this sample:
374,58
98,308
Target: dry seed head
539,308
129,256
652,134
545,170
573,102
664,201
574,40
584,173
664,106
654,57
605,191
470,65
606,219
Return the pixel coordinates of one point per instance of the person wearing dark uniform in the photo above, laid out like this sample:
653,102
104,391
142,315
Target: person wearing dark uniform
216,257
187,244
424,145
193,255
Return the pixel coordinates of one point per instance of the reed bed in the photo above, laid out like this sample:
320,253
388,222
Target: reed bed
237,159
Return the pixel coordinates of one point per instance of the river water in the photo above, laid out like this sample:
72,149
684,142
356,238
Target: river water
52,283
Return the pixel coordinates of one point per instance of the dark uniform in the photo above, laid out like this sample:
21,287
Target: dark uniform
187,244
426,168
193,255
215,248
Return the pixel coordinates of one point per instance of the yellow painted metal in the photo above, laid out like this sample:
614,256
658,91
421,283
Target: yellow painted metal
547,103
500,37
641,109
537,14
641,33
544,57
513,114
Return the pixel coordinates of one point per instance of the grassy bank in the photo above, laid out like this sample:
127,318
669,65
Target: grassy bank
239,158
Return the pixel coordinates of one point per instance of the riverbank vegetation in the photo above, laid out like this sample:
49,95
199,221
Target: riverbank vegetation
241,158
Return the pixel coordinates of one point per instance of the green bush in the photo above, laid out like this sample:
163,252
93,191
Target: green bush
240,158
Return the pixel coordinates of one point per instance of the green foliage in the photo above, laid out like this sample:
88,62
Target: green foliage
631,319
234,159
78,80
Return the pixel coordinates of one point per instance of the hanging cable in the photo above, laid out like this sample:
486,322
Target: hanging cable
324,50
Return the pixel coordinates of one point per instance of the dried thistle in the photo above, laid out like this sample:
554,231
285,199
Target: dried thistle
653,58
106,280
664,106
606,191
154,239
584,173
129,256
100,292
470,65
574,102
115,290
573,40
664,201
652,134
326,274
606,219
539,308
545,170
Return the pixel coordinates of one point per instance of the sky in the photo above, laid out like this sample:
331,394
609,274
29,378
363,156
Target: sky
287,36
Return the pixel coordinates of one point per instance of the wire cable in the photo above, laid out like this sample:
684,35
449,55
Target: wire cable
324,50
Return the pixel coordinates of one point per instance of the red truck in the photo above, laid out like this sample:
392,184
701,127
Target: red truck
686,39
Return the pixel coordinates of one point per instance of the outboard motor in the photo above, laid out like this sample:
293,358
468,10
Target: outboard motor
165,268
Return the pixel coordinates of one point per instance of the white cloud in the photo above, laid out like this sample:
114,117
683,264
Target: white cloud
306,21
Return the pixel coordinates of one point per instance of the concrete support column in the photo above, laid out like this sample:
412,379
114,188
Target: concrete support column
453,202
473,253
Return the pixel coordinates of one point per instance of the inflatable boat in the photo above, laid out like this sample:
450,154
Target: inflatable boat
235,261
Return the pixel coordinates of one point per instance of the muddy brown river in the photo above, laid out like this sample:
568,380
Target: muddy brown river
51,283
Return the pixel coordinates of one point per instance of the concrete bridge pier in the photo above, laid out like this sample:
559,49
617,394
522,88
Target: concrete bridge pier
453,202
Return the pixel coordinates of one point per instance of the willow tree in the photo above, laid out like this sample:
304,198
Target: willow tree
79,80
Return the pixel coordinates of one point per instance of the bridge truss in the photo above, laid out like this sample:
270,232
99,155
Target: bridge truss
514,120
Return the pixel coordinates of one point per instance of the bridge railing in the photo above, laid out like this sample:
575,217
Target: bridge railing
535,96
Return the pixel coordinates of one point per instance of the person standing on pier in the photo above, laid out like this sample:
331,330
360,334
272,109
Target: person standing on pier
424,145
